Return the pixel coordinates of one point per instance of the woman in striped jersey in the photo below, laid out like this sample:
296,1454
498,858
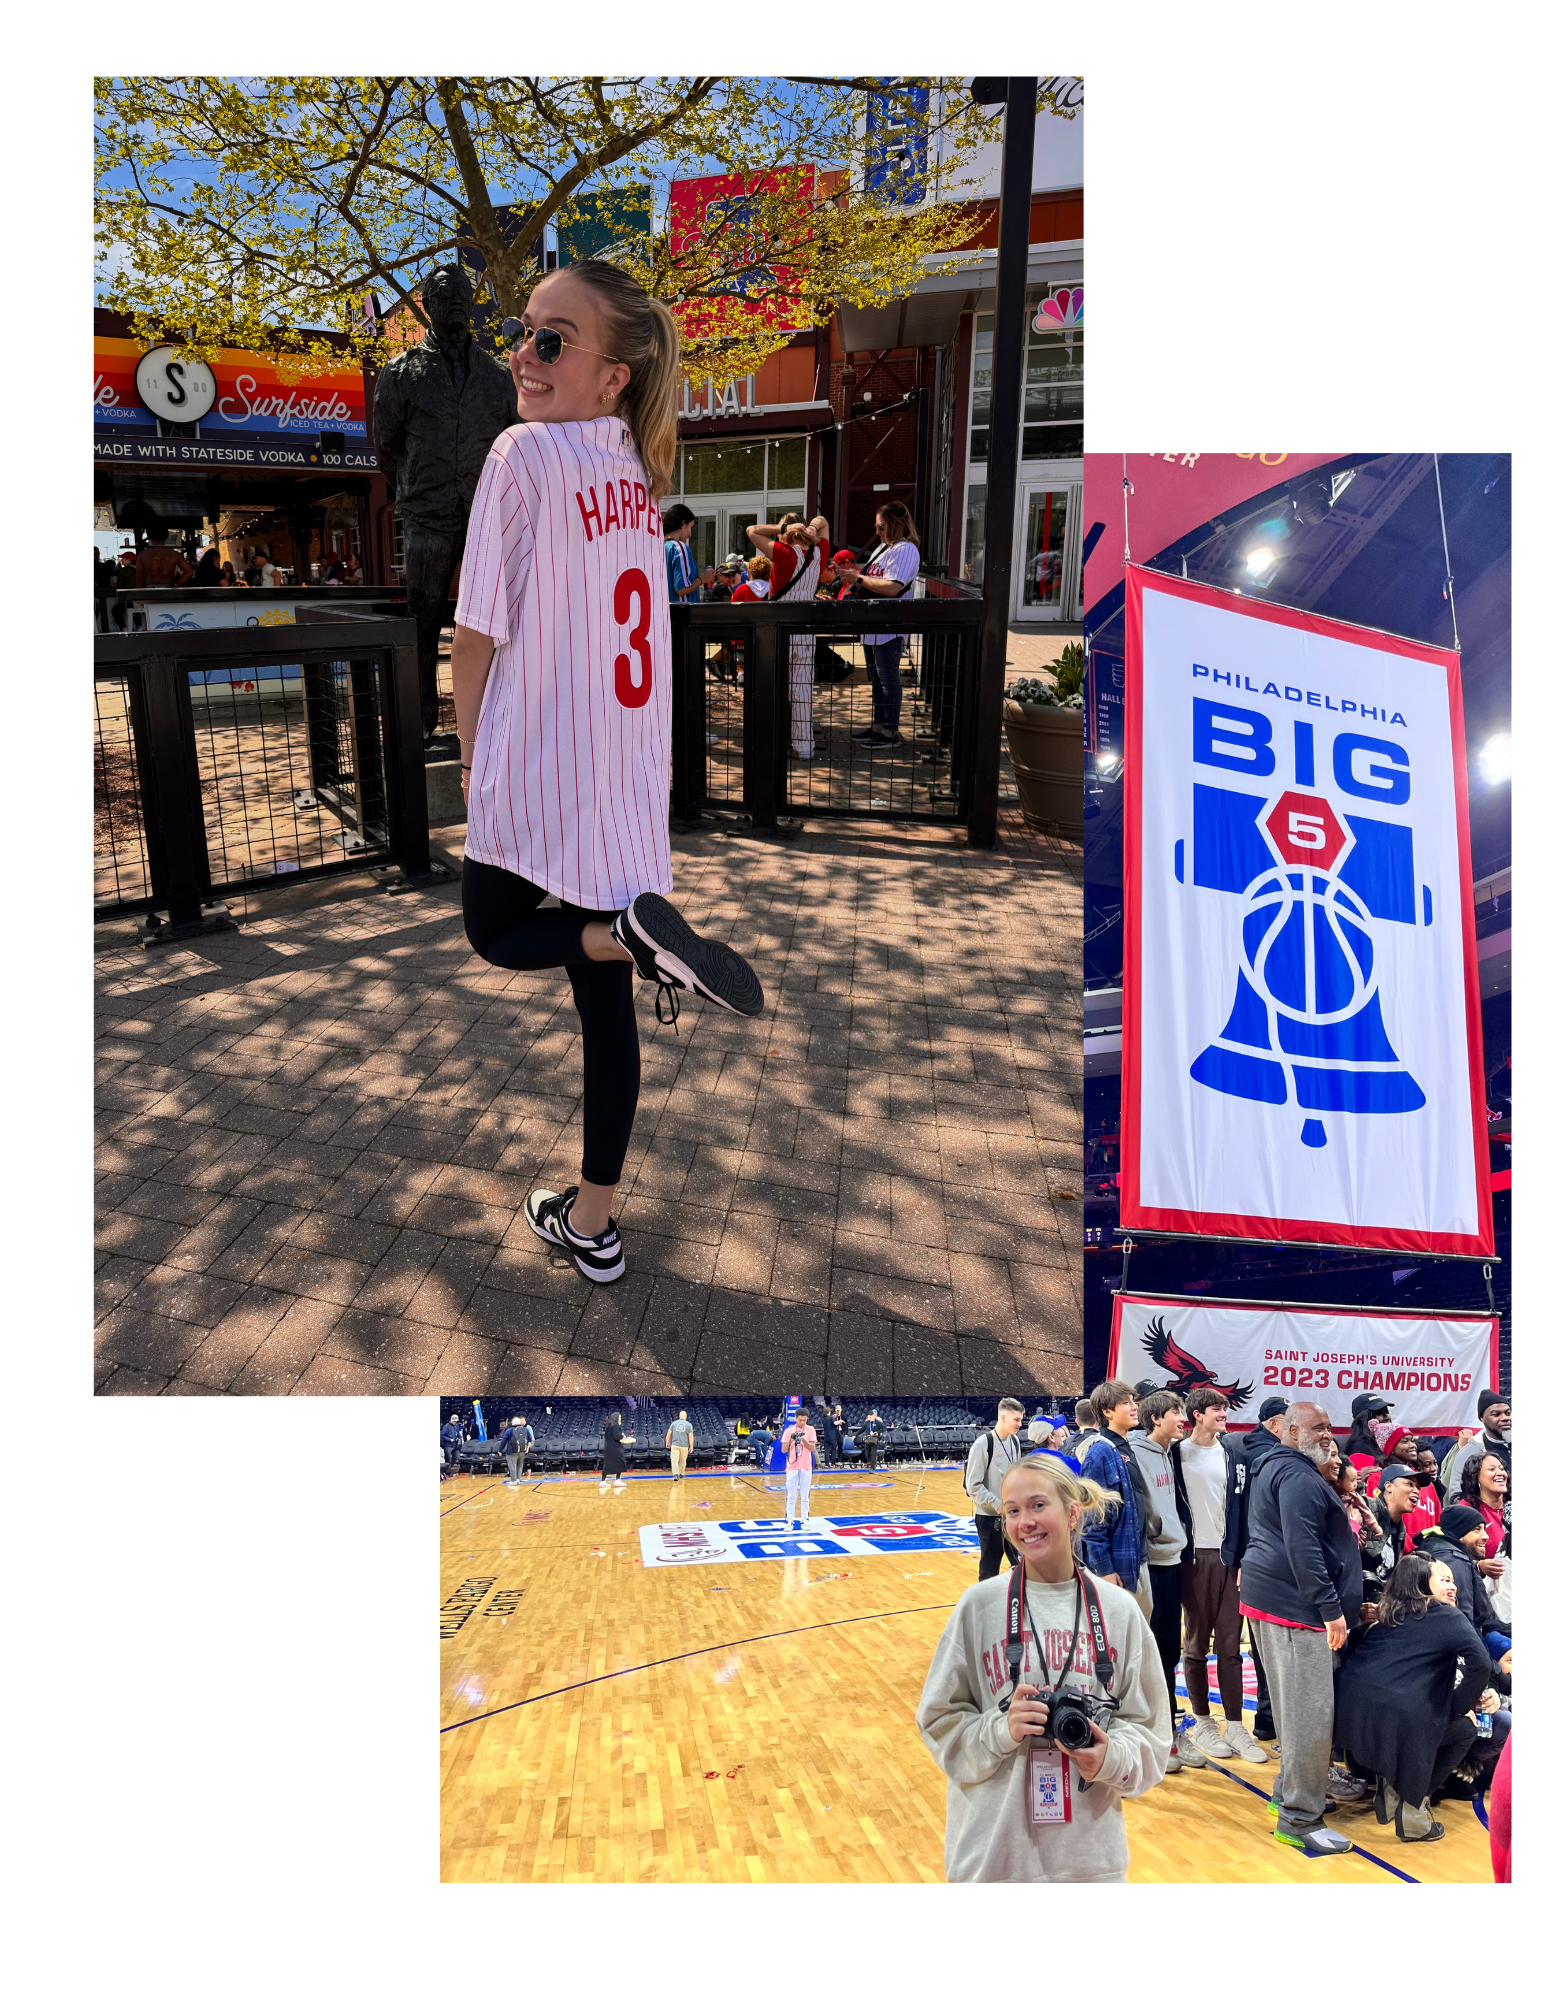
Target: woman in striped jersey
562,672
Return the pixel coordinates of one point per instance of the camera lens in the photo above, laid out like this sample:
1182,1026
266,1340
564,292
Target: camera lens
1073,1731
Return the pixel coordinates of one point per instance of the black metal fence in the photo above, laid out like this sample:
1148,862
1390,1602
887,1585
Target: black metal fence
737,667
239,759
133,609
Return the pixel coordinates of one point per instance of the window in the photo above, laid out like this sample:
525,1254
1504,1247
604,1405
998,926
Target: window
786,462
708,467
981,387
1053,391
976,532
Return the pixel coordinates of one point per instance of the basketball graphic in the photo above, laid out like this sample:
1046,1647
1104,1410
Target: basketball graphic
1306,995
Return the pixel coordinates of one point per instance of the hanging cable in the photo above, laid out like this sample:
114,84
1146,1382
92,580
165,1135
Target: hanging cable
1126,1258
1126,523
1448,568
1491,1304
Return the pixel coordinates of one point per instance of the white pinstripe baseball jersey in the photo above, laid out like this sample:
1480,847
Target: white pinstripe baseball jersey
565,570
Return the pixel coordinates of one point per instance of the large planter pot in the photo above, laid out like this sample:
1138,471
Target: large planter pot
1046,745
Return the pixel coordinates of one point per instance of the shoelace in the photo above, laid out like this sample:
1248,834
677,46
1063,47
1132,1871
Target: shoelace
663,993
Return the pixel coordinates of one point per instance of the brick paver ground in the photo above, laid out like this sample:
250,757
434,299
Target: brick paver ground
315,1135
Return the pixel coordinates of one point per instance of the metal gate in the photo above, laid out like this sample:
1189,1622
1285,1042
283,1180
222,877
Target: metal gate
240,759
733,717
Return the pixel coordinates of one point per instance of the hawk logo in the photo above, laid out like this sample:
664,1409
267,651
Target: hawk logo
1189,1373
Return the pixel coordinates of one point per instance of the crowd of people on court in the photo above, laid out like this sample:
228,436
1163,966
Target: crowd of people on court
1373,1575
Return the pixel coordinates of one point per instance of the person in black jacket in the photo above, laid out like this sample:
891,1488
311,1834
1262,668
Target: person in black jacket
1399,1713
1458,1539
1301,1581
1243,1458
515,1440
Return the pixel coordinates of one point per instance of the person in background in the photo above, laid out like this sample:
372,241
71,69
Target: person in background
1086,1428
1495,1435
761,1442
613,1462
207,575
158,567
1209,1590
1384,1536
515,1440
681,1441
990,1456
798,553
888,573
1155,1447
1361,1446
874,1432
1429,1456
1301,1583
1369,1537
1021,1808
1460,1541
1491,1721
229,580
1404,1695
1428,1504
1116,1545
755,581
1484,1485
451,1433
799,1442
680,564
1236,1534
1499,1815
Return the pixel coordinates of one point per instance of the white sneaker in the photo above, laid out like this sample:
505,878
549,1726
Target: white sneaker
1186,1753
620,1484
1209,1740
1241,1744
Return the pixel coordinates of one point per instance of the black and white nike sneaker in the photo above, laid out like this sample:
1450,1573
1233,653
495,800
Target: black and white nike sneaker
664,947
598,1258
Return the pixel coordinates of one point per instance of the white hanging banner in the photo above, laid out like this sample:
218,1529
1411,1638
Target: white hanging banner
1430,1370
1301,1019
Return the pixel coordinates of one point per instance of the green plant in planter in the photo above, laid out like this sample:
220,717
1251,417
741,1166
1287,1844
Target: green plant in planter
1068,689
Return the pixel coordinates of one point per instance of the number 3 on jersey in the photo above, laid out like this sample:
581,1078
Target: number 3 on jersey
631,585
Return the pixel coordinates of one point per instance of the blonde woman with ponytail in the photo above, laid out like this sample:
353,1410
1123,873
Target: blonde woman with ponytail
562,671
1022,1807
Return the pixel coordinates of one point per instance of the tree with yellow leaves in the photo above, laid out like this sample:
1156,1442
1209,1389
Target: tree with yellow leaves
245,212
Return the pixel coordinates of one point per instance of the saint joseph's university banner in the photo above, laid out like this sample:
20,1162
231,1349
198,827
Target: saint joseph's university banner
1429,1368
1301,1012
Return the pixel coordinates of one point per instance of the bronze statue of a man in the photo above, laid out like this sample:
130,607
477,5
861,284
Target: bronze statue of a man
438,409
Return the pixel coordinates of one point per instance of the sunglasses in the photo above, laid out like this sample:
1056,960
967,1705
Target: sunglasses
549,343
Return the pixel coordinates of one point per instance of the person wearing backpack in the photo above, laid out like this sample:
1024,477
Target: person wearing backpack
515,1440
987,1461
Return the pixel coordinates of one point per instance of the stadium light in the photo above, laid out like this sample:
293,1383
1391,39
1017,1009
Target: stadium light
1260,560
1496,760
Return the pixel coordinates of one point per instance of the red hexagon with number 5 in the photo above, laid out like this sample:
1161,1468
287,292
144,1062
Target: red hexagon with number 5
1305,830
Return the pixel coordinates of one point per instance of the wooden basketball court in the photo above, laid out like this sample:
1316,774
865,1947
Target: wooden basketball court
753,1721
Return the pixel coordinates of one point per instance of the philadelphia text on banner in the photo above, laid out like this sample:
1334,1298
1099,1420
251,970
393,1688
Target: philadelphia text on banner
1429,1367
1301,1011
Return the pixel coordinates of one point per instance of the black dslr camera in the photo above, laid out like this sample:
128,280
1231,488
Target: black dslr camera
1071,1714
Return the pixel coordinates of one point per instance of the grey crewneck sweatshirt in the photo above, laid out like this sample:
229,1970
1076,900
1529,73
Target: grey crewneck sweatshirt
988,1834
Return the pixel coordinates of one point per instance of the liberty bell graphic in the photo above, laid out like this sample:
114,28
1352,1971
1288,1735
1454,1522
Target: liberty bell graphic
1306,998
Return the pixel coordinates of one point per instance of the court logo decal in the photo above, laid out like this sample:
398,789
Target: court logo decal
462,1602
667,1543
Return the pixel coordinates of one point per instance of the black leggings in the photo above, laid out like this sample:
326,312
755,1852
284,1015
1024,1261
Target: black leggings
505,926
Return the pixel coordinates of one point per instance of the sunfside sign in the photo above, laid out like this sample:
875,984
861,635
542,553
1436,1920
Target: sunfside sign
237,397
1301,1013
1429,1370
